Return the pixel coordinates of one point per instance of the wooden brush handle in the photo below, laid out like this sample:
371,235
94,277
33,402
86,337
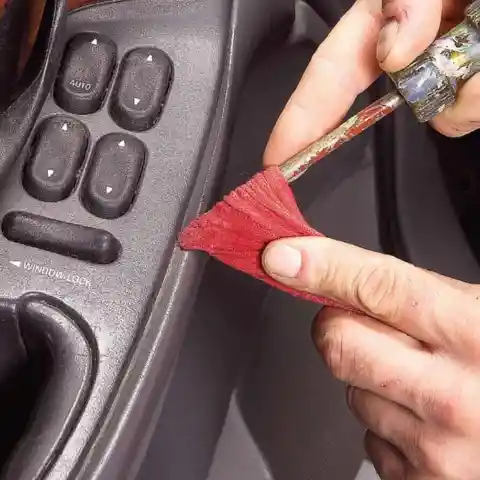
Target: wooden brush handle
300,163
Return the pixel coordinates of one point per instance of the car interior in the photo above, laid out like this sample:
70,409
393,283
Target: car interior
123,357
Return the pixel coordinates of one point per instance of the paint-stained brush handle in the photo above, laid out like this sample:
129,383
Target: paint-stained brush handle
428,85
296,166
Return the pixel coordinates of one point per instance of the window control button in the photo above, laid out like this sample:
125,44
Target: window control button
113,175
76,241
85,73
57,155
140,89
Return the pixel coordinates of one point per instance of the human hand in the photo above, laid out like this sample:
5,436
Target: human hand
412,361
351,59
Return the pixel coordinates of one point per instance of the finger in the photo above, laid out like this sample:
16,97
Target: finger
387,460
425,452
458,284
464,116
397,293
343,66
372,356
391,422
411,26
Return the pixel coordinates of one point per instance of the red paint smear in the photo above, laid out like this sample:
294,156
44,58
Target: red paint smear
237,229
365,119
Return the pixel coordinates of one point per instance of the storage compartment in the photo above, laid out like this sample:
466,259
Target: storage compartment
26,361
47,367
90,213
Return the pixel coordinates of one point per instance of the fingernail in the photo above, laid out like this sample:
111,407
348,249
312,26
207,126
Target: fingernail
387,39
282,261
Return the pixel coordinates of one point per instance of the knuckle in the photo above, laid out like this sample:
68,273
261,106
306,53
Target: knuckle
472,345
424,452
339,354
387,466
413,446
432,453
452,129
331,346
327,275
325,317
452,403
473,124
434,460
444,410
327,67
437,459
377,286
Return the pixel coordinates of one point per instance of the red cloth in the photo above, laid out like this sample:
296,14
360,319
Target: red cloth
237,229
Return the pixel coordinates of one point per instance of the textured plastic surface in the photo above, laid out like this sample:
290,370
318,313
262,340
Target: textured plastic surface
130,316
68,239
251,348
17,120
141,89
137,307
113,175
85,73
74,362
12,30
57,154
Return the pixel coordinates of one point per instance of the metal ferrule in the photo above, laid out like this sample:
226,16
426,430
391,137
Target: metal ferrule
430,83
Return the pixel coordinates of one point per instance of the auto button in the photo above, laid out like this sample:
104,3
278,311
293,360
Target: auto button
85,73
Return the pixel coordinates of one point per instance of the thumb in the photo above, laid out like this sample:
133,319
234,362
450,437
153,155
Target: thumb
410,26
383,287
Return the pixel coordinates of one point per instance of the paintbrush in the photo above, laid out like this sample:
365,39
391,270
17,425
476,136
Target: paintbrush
237,229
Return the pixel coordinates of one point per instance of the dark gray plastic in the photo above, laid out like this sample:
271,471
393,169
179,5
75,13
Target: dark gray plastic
417,218
129,318
17,120
137,308
74,362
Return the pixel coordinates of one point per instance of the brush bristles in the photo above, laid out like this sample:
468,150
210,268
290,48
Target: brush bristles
236,230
